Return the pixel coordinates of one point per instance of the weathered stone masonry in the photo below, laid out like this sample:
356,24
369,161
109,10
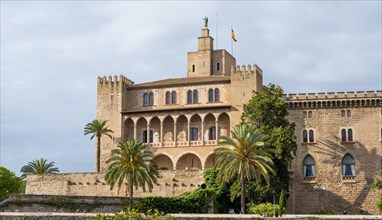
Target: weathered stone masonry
338,134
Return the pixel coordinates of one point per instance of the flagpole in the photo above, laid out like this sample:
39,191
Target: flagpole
216,31
231,41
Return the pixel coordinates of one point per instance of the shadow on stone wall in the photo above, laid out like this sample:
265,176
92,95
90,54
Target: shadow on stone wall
353,195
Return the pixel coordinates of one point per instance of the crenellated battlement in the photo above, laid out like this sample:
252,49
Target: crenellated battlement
114,81
332,95
246,70
334,99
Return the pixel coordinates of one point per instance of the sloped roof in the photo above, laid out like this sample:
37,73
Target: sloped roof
182,82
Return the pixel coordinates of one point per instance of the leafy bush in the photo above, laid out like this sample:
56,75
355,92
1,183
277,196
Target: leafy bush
263,208
134,214
379,204
9,183
324,212
194,202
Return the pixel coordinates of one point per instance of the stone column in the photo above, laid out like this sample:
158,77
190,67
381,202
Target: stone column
135,131
148,134
161,134
188,135
202,132
216,131
174,135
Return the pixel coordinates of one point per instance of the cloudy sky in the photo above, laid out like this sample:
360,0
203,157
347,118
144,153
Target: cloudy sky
53,51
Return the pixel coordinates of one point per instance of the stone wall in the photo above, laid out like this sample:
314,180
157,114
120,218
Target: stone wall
170,183
62,204
329,189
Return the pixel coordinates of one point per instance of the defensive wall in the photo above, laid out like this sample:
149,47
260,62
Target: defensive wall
326,115
170,183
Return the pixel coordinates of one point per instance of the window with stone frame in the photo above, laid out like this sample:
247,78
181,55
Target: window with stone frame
151,99
168,98
343,135
311,136
145,99
217,95
305,136
189,97
350,135
348,165
347,135
194,134
195,96
210,95
173,98
308,136
218,66
309,167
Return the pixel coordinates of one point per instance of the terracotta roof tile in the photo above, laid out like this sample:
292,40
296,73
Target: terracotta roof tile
182,82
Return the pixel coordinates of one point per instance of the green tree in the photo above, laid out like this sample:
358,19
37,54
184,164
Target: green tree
97,128
9,183
247,159
40,166
378,185
131,162
267,110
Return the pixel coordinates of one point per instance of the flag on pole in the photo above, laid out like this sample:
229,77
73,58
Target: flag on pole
233,35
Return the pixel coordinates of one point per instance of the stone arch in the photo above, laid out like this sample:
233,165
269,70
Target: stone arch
188,161
141,127
210,161
163,161
155,127
128,129
195,123
224,124
182,130
168,130
209,122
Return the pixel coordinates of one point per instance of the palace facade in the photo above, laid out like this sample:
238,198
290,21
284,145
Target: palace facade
339,151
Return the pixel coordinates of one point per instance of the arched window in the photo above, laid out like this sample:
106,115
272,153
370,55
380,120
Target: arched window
311,136
193,134
151,99
348,168
304,114
309,166
350,134
348,113
217,95
304,136
173,97
193,68
167,98
218,66
309,114
210,95
145,99
212,133
342,113
189,97
195,96
343,135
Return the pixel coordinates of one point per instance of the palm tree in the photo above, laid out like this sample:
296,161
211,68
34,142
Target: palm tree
246,160
97,128
40,166
131,161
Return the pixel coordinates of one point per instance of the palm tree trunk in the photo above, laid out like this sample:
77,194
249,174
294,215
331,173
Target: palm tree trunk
98,153
242,198
131,195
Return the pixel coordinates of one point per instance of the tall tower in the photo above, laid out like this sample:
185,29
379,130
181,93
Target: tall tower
207,61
